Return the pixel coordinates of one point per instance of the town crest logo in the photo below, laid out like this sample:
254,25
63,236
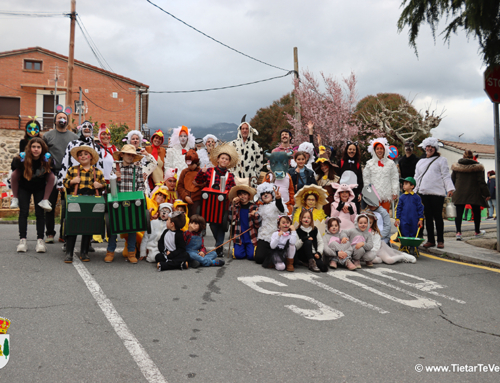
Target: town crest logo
4,342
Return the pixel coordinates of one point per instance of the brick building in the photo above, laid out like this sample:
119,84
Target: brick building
27,87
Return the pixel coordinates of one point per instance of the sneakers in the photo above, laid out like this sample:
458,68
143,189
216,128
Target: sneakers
45,205
218,262
480,234
40,246
22,247
14,203
408,258
459,236
49,239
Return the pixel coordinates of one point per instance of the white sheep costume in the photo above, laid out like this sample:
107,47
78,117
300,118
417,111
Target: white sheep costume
383,174
309,149
175,155
268,211
203,153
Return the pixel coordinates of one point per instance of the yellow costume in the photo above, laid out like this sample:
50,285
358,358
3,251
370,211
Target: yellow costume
318,215
182,203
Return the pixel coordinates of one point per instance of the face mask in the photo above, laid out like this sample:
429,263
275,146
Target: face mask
62,122
33,130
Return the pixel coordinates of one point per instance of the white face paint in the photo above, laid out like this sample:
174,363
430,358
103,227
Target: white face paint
183,139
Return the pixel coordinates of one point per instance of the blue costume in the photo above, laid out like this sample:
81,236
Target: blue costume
410,210
246,249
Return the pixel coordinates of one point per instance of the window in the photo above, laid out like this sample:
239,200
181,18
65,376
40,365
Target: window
10,106
33,65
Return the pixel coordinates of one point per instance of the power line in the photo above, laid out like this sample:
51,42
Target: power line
33,14
224,87
211,38
107,110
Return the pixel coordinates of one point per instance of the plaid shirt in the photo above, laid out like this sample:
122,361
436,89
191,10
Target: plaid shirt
254,222
126,183
187,237
202,178
86,178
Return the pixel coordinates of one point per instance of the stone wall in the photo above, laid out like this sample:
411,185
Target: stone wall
9,146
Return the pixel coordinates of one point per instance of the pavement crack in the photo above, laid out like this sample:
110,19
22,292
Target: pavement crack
212,287
463,327
33,307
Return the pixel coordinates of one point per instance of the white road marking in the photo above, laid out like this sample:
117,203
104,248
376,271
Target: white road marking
420,301
324,313
311,278
425,286
141,357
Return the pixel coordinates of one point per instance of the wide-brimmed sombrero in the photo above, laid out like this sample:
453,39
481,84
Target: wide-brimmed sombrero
225,148
235,189
127,149
76,149
303,193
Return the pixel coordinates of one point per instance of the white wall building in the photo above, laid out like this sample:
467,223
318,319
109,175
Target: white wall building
453,151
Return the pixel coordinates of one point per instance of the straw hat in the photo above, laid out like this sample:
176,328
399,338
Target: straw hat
76,149
301,196
235,189
127,149
225,148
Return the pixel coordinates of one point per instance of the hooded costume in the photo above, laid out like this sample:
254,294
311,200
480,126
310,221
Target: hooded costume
357,236
151,202
203,153
182,203
382,173
176,150
158,153
308,148
250,153
187,187
333,244
337,206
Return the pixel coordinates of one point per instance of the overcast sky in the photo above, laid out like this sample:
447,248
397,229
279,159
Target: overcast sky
336,37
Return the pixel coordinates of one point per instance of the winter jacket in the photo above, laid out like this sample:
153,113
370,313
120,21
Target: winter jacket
436,180
468,177
309,175
492,187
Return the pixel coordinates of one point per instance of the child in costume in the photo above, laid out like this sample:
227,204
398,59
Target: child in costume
282,245
337,245
180,205
188,190
129,179
383,219
32,130
382,172
170,184
326,176
344,208
223,157
204,154
244,216
351,162
312,198
33,170
270,208
361,241
149,244
172,245
410,210
158,197
158,152
195,245
301,175
383,252
309,244
86,178
307,149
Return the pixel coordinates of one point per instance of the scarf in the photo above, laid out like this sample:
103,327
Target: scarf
108,149
154,151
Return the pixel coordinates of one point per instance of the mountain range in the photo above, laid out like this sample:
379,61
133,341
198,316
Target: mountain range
223,131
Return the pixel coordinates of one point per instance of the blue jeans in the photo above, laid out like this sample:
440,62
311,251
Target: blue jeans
194,246
492,204
131,242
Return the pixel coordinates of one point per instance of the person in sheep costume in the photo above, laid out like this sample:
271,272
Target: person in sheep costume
382,172
250,153
180,142
270,208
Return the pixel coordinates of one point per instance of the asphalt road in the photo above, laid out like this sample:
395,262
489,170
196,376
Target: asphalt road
98,322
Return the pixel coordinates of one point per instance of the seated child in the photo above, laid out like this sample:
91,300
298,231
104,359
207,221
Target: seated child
337,247
382,251
180,205
187,188
243,215
270,208
129,179
195,245
309,244
410,211
344,207
223,157
282,245
171,245
362,242
383,217
86,178
149,244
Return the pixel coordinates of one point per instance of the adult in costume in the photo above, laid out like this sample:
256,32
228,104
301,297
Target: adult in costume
209,142
250,153
158,153
106,150
180,142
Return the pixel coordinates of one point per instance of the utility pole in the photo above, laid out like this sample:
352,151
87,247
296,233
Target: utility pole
80,106
296,69
71,58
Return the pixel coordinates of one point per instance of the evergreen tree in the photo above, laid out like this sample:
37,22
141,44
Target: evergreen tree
6,350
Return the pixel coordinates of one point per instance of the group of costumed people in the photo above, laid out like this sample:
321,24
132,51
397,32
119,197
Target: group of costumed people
295,205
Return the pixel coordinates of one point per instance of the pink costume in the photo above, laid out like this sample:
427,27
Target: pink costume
347,219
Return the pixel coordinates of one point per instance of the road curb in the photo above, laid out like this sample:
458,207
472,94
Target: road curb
486,258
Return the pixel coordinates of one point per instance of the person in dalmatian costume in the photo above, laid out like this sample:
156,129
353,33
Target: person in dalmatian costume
250,153
181,141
